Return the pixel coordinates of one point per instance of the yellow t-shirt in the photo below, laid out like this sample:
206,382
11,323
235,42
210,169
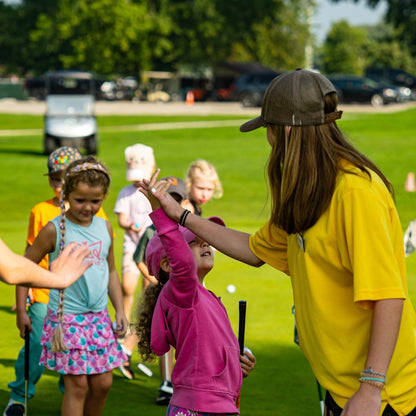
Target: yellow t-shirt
352,256
40,215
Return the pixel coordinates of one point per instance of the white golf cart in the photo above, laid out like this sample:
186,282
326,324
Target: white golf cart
70,119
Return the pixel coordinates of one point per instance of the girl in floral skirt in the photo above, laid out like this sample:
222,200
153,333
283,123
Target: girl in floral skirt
78,338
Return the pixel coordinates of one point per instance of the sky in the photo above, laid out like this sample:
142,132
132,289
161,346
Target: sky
356,14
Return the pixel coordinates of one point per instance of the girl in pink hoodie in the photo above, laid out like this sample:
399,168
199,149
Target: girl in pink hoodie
181,312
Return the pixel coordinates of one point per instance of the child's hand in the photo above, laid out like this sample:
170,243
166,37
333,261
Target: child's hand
247,362
157,194
23,322
149,188
120,325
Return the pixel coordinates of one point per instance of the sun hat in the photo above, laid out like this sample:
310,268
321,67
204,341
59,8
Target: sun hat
155,251
177,186
140,162
60,158
295,98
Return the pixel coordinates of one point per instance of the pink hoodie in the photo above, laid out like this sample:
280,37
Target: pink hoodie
207,375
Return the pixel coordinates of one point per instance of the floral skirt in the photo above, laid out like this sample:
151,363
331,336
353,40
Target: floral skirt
91,346
179,411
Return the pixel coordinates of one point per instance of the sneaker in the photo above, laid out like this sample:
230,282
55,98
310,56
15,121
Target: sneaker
14,409
126,369
165,393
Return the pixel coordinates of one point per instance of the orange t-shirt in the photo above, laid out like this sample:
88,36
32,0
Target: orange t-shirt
40,215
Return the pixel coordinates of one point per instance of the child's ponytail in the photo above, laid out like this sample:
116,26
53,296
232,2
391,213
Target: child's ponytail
58,344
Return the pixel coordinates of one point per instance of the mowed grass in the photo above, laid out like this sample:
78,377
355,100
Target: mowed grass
282,382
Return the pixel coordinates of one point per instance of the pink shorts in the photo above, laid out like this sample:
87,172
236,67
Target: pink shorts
179,411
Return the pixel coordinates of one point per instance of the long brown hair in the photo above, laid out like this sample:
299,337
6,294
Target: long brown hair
303,166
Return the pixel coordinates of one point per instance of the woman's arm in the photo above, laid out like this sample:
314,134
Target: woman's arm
231,242
384,332
65,270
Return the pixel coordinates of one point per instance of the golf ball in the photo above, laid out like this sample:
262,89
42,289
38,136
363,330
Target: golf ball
230,288
115,326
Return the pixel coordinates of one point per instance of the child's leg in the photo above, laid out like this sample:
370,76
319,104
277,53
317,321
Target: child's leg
99,387
37,313
129,278
76,388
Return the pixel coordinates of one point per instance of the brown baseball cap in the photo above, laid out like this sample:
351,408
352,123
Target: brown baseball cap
295,98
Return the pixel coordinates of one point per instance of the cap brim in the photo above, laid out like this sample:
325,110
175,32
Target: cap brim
253,124
217,220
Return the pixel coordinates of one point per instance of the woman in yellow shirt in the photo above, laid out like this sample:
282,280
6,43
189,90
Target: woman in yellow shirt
335,231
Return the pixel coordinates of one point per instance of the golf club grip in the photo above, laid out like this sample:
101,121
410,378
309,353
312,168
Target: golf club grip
242,324
27,352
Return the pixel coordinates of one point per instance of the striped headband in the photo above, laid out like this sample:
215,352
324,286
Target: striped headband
87,166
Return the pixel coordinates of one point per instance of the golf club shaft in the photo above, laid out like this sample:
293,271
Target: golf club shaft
242,307
27,354
242,324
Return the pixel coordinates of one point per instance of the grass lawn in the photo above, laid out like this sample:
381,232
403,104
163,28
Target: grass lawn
282,382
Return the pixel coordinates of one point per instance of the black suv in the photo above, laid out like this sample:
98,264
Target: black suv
395,76
353,88
251,86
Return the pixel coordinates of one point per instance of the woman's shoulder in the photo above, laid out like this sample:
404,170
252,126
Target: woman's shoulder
354,180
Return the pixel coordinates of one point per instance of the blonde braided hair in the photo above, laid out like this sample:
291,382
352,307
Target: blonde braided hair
94,173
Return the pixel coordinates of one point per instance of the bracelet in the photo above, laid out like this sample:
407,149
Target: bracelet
182,219
378,384
380,380
370,375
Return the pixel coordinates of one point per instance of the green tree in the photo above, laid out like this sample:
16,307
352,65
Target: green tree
127,36
99,35
402,14
344,49
384,49
17,20
281,38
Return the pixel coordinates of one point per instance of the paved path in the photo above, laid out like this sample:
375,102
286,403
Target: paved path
11,106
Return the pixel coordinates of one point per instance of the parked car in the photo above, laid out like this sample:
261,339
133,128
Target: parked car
353,88
395,77
249,89
403,93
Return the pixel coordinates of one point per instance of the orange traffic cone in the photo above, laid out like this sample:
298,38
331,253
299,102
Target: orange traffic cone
190,99
409,185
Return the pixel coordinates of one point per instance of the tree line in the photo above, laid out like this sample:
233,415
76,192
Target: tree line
128,36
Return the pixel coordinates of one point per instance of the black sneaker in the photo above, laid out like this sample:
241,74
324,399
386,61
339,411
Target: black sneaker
14,409
165,393
126,369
